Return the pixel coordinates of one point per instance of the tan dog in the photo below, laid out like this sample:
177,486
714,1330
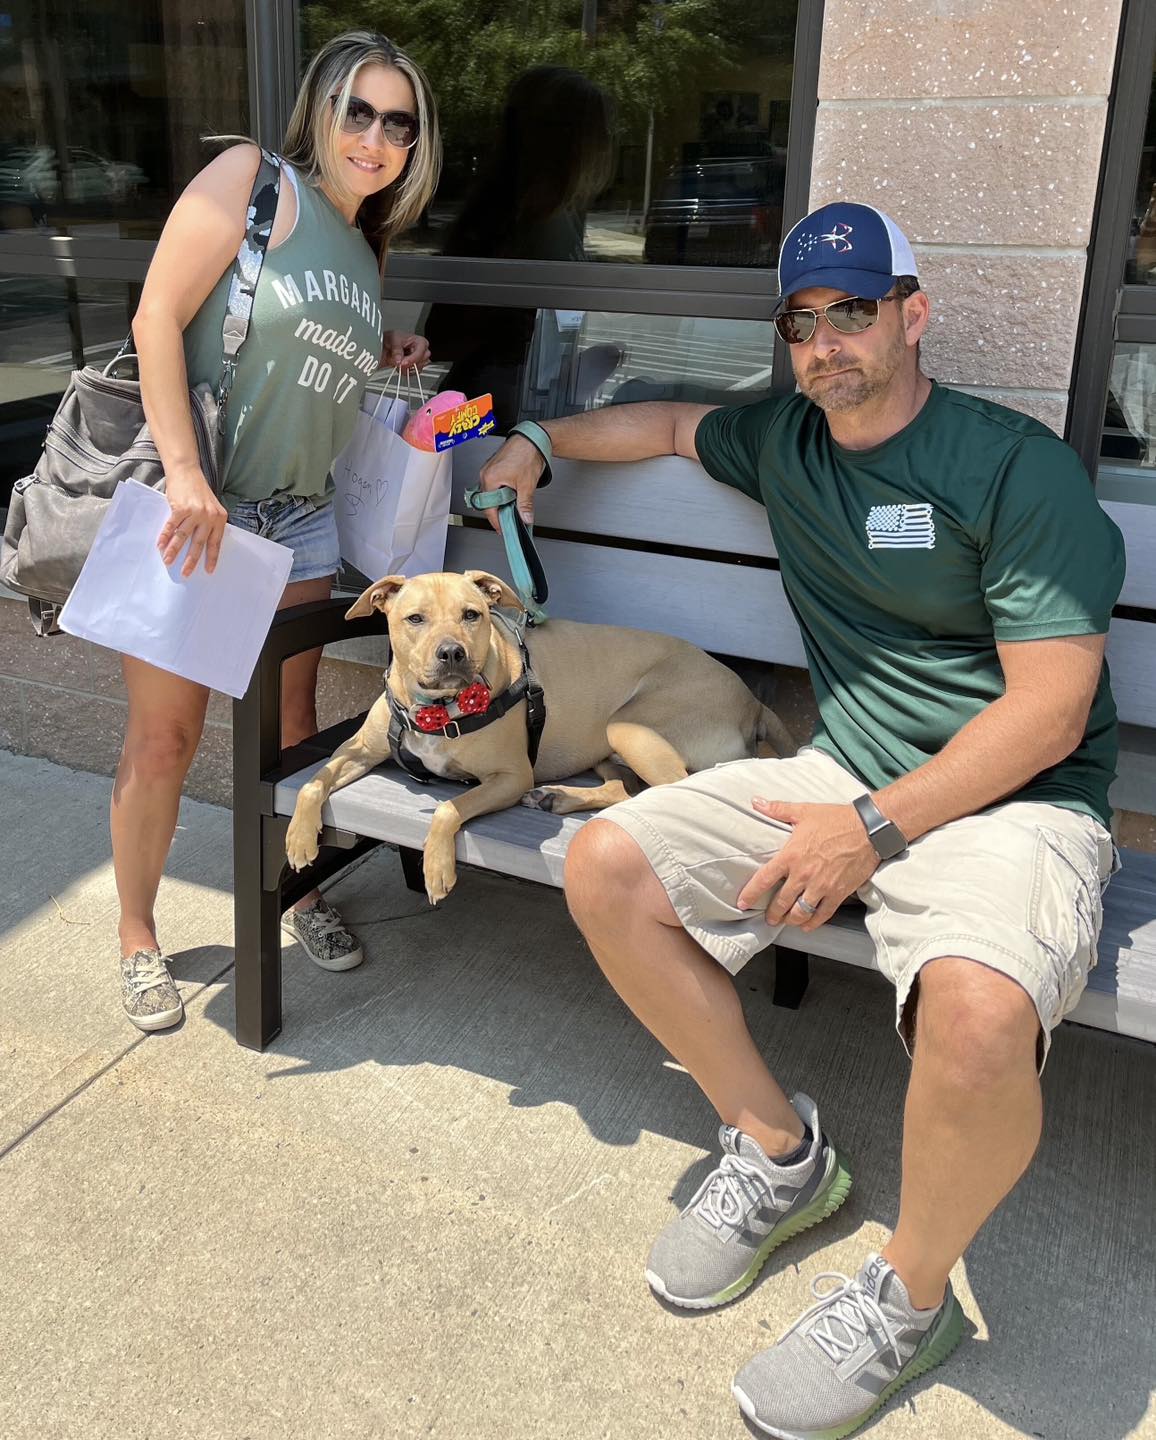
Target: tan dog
660,706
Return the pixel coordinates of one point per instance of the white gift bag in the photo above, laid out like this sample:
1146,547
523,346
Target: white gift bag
393,501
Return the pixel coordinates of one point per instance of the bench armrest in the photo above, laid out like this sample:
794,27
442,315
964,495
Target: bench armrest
257,716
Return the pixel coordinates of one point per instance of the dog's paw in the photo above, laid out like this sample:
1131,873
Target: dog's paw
441,875
541,798
301,847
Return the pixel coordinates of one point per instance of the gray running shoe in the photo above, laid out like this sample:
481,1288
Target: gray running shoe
151,1000
743,1210
321,933
846,1357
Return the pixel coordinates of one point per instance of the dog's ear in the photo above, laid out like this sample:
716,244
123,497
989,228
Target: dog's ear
496,591
379,596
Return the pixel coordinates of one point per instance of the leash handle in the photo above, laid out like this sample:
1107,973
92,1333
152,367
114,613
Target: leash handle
521,556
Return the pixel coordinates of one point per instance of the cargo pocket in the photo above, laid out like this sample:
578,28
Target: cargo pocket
1065,911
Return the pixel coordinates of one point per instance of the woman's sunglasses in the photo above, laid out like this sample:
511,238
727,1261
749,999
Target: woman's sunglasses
399,127
849,317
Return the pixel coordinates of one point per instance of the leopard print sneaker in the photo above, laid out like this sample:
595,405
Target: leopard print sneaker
151,1000
322,934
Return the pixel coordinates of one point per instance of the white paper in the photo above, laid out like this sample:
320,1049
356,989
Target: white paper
393,500
208,628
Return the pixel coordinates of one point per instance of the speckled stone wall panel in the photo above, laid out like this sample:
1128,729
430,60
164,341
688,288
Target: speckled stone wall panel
1001,321
1001,174
942,48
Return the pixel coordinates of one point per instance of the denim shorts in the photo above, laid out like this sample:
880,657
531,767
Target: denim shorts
308,529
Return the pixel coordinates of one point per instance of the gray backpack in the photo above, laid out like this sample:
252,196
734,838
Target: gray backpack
99,437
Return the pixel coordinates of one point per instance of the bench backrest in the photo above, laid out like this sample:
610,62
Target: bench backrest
659,545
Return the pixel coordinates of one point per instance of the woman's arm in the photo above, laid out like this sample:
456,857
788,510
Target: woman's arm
198,244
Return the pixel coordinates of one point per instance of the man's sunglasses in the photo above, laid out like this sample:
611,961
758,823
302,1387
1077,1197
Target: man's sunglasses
399,127
849,317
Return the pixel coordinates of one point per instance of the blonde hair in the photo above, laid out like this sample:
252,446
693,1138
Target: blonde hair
311,137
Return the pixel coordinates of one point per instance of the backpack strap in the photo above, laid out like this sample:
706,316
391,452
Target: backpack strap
243,285
247,272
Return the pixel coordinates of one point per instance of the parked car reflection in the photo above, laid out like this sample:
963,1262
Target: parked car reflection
31,175
725,210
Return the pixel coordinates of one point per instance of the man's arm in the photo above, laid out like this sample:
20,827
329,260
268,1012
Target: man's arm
616,432
1038,721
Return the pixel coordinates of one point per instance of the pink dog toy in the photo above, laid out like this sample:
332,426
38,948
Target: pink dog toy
419,429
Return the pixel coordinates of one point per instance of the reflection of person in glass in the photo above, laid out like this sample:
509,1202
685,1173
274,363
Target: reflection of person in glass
361,160
552,155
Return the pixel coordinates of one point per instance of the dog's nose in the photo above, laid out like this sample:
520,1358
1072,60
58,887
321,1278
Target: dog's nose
449,652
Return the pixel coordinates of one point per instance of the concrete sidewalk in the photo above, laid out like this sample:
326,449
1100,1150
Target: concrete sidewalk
425,1210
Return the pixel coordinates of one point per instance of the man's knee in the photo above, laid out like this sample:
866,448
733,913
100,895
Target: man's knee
606,868
977,1025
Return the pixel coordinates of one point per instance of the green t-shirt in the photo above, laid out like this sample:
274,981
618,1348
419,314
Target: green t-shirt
314,339
906,563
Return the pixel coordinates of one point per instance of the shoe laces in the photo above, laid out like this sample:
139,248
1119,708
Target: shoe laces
323,919
844,1318
732,1192
148,971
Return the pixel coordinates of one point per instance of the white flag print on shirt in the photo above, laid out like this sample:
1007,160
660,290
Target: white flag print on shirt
900,527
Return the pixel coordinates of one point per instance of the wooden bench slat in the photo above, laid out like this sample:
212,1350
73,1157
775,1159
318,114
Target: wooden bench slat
668,501
531,844
1131,657
730,609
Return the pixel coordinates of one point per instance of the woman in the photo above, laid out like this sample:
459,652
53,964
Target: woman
362,156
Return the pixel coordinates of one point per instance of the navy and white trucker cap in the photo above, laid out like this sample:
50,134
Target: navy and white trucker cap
844,247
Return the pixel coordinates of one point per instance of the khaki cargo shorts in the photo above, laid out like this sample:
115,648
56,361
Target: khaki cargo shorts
1017,887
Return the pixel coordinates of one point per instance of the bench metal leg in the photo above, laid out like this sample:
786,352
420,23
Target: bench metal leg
792,976
257,910
411,868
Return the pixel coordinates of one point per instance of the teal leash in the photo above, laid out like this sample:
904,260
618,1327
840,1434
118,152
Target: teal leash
521,556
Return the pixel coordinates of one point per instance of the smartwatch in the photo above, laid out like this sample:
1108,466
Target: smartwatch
539,437
886,837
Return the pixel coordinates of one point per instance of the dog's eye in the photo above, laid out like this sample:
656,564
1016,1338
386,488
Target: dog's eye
471,614
415,619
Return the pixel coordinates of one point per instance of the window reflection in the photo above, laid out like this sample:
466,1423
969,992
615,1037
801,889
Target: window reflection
1130,420
47,329
571,360
632,131
103,107
1141,267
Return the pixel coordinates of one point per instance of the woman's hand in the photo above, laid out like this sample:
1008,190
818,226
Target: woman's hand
404,352
198,520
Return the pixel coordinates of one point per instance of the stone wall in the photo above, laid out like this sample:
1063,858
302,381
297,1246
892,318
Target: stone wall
978,125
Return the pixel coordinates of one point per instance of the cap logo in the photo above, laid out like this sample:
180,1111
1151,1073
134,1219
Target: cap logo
839,238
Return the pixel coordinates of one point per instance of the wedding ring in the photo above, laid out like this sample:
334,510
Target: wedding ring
806,907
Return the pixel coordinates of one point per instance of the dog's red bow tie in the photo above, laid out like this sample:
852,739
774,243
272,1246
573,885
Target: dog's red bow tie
473,700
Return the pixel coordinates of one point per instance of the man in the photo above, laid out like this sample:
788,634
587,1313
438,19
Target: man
953,578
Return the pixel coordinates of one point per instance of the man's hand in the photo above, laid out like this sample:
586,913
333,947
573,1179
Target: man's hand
519,465
826,859
404,352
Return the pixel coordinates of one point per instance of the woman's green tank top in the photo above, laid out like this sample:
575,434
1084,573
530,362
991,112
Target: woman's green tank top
314,339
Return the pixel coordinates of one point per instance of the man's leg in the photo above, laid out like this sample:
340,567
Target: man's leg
778,1174
973,1116
680,993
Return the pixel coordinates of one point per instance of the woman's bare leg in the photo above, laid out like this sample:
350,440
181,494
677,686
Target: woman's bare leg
166,715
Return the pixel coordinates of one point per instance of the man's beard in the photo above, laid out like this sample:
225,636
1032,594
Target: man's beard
856,386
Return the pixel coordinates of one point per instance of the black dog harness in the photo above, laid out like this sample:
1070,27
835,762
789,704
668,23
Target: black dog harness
525,687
